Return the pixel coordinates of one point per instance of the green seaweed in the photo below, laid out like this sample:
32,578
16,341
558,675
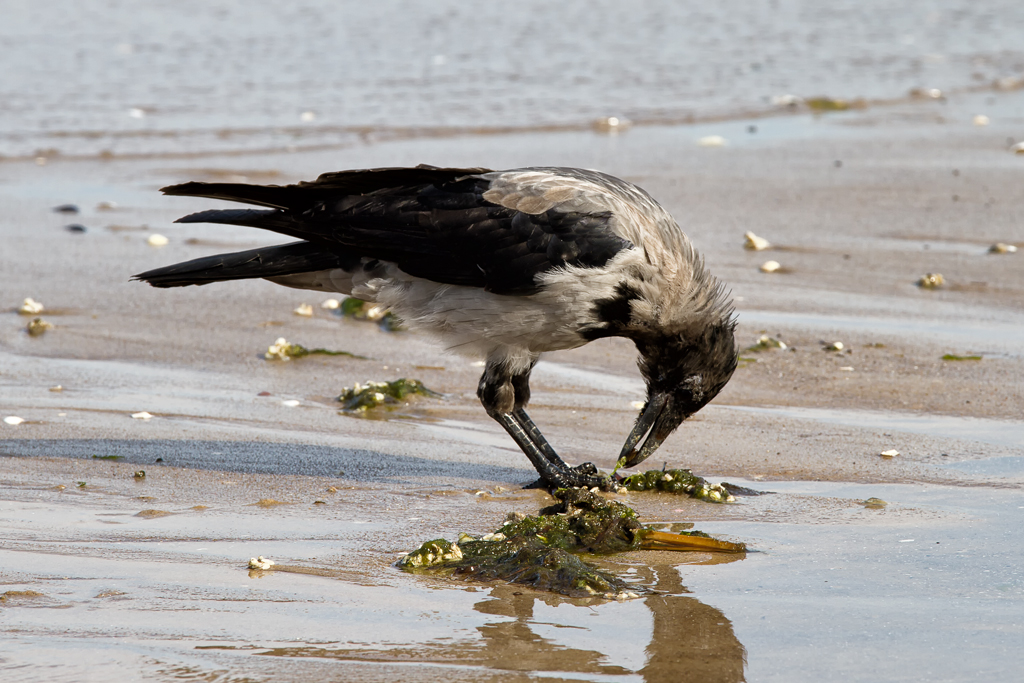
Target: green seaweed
357,309
108,457
542,551
362,397
282,349
678,482
764,342
953,356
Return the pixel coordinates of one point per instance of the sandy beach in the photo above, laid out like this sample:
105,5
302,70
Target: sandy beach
104,572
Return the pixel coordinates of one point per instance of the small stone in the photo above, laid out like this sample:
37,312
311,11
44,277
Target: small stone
38,327
611,124
76,227
65,208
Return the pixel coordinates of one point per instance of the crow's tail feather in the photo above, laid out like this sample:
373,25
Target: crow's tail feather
284,259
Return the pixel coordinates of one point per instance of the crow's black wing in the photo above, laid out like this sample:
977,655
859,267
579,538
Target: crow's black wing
433,223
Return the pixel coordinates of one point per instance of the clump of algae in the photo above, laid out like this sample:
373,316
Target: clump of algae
357,309
543,551
283,349
677,481
362,397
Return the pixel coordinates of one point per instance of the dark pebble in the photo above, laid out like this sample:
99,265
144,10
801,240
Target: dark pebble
65,208
75,227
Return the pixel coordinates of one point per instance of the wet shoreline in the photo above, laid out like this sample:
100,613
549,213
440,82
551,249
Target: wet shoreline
851,592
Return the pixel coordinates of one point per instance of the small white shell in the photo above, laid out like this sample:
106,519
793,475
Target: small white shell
980,120
330,304
157,240
304,310
13,420
30,307
755,243
142,416
892,453
712,141
260,563
770,266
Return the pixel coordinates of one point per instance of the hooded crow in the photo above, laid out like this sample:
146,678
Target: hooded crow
502,265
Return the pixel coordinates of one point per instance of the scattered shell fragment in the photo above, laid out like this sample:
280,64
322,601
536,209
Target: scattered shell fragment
157,240
833,346
106,206
142,416
770,266
1001,248
38,327
57,388
307,116
638,405
137,113
980,120
290,403
765,342
304,310
931,281
140,474
891,453
13,420
279,350
786,100
874,503
260,563
1018,148
712,141
330,304
30,307
755,243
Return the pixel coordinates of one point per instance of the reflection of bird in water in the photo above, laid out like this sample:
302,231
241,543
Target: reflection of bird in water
504,265
690,641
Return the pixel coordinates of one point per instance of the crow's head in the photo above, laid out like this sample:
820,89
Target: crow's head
683,372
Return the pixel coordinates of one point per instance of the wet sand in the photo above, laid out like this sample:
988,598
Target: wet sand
927,587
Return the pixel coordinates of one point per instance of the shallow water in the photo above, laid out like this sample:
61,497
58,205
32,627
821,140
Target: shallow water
187,77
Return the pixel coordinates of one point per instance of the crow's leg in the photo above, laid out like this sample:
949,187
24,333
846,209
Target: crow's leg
504,395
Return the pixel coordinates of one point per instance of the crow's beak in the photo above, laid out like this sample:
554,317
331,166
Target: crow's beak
656,420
